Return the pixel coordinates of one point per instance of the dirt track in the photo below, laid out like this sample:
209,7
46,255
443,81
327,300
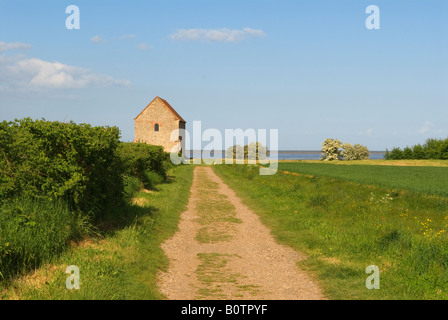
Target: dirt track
223,251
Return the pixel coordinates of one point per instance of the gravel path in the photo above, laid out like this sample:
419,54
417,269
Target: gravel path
243,262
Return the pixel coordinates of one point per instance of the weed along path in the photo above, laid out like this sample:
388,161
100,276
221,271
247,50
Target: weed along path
222,251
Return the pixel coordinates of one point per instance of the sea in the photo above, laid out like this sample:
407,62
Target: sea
296,155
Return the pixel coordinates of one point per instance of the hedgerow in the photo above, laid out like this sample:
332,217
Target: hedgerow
74,162
148,163
58,179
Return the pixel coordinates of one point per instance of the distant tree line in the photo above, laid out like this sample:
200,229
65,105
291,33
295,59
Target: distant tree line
431,149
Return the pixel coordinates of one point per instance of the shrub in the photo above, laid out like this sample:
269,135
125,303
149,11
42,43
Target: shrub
252,151
235,152
431,149
408,153
55,160
151,179
131,186
138,157
256,151
396,154
418,152
444,150
332,150
356,152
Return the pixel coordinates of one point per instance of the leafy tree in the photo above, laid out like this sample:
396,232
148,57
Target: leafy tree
252,151
408,153
255,151
235,152
432,148
396,154
444,150
356,152
332,149
418,152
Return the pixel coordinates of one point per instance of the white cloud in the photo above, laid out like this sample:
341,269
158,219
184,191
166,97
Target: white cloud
22,74
218,35
427,126
97,39
127,36
143,46
4,46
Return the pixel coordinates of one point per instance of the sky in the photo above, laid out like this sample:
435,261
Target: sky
311,69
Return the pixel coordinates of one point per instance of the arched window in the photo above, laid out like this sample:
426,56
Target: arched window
156,127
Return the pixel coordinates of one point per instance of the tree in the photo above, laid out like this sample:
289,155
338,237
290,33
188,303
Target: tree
235,152
432,148
332,150
356,152
252,151
255,151
407,153
418,152
396,154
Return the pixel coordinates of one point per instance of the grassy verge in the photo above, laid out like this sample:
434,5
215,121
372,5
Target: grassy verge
343,227
121,264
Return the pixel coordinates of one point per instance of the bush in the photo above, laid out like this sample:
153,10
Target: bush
418,152
252,151
444,150
55,160
332,150
255,151
396,154
408,153
431,149
55,178
356,152
139,157
235,152
131,186
152,178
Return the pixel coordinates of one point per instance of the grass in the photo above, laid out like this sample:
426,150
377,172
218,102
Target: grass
217,281
121,264
34,230
429,180
344,226
381,162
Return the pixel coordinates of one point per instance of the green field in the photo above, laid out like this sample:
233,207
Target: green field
343,226
428,180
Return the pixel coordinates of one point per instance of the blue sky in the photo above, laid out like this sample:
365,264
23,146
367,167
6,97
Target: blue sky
308,68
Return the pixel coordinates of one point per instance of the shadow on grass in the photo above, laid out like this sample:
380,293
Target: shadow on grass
112,221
